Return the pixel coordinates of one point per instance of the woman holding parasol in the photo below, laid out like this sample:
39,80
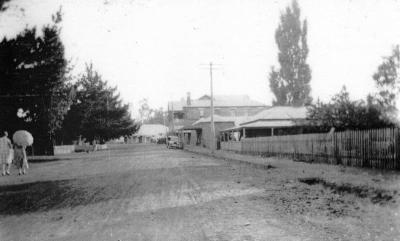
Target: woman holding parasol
21,139
5,149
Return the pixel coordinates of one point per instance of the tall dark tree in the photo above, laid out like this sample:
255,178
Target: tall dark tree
33,79
291,83
97,112
387,80
3,6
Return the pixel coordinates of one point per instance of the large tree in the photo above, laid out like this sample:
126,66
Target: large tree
97,111
343,113
291,83
3,6
34,83
387,80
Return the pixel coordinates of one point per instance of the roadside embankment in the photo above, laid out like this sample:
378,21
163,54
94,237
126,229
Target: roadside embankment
379,186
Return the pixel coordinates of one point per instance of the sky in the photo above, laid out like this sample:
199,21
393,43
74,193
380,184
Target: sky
160,50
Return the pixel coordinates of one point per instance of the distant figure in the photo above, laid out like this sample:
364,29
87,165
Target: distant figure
20,159
330,133
5,151
94,145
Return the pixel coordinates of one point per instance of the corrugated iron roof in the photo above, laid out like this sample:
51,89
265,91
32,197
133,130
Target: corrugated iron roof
280,113
176,105
217,118
279,116
226,100
152,130
219,101
267,123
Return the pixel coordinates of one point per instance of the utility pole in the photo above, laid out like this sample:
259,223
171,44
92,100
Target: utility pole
172,114
163,117
212,112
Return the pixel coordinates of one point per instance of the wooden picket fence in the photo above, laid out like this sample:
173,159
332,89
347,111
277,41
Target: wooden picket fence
379,148
231,146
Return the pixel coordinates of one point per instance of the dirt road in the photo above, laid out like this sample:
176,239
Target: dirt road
147,192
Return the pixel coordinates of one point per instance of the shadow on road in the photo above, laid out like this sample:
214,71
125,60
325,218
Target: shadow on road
48,195
41,159
31,197
41,196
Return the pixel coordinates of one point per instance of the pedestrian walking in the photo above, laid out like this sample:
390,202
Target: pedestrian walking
94,145
20,159
21,139
10,160
5,147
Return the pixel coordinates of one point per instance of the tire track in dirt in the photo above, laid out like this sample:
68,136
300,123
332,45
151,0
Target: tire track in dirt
80,217
159,195
115,207
120,205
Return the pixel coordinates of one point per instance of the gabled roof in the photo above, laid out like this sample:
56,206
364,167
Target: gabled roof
267,124
152,130
217,118
205,97
225,101
176,105
270,123
279,113
219,101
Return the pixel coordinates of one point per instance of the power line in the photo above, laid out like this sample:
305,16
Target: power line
214,66
212,111
19,96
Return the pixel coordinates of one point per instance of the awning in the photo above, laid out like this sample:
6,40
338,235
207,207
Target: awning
265,124
232,129
270,124
189,128
186,131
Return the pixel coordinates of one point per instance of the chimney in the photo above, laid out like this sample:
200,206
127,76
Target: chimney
188,100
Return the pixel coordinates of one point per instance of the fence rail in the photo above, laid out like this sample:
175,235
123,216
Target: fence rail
67,149
379,148
231,146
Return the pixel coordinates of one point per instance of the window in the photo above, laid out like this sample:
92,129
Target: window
201,112
178,115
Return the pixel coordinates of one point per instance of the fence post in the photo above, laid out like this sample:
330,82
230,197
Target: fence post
396,149
335,148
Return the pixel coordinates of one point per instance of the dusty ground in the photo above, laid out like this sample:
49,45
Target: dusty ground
146,192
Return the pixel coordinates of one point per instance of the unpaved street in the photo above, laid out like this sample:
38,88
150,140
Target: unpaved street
147,192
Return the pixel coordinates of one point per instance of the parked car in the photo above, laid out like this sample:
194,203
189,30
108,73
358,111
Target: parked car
162,140
174,142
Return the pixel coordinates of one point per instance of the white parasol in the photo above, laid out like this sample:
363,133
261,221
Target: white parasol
23,138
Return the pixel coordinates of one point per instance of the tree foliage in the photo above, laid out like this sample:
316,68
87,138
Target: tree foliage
149,115
387,80
291,83
97,111
34,79
145,111
343,113
3,6
158,116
